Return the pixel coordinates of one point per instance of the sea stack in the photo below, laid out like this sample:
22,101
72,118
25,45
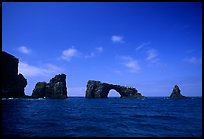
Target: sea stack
97,89
176,93
12,83
56,88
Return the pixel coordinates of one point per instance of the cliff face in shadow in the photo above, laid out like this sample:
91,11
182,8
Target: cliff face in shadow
12,83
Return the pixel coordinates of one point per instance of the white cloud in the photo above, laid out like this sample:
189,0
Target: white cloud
142,45
193,60
116,38
69,53
133,66
99,49
44,70
131,63
152,55
24,50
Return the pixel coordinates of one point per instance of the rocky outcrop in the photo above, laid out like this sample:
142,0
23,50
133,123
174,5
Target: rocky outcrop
97,89
176,93
12,83
39,90
56,88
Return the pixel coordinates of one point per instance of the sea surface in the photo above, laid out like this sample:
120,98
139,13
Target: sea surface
111,117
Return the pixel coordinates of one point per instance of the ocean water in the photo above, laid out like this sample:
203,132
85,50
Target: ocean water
111,117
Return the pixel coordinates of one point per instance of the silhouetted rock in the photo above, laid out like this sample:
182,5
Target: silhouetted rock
176,93
56,88
39,90
12,84
97,89
21,84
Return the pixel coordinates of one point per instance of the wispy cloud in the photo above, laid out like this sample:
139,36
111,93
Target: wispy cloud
181,26
193,60
99,49
92,54
152,55
24,50
44,70
95,52
69,53
117,71
142,45
190,51
130,63
117,39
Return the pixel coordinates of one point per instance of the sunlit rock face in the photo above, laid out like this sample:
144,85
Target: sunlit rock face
97,89
12,83
56,88
176,93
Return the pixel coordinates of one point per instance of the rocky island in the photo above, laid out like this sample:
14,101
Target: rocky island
176,93
97,89
12,83
56,88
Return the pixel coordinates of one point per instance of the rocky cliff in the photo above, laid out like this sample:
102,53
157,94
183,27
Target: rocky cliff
56,88
12,83
97,89
176,93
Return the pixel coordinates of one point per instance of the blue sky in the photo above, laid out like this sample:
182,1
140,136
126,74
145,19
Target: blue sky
150,46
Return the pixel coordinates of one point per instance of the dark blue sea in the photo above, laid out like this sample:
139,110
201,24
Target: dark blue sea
111,117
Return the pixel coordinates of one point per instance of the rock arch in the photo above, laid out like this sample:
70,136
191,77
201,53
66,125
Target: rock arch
113,93
97,89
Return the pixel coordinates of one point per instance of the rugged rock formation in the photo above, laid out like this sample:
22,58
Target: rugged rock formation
56,88
12,83
176,93
97,89
39,90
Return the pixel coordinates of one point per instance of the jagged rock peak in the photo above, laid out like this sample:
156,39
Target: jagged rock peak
176,93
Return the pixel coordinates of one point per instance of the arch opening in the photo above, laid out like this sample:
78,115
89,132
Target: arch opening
113,94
